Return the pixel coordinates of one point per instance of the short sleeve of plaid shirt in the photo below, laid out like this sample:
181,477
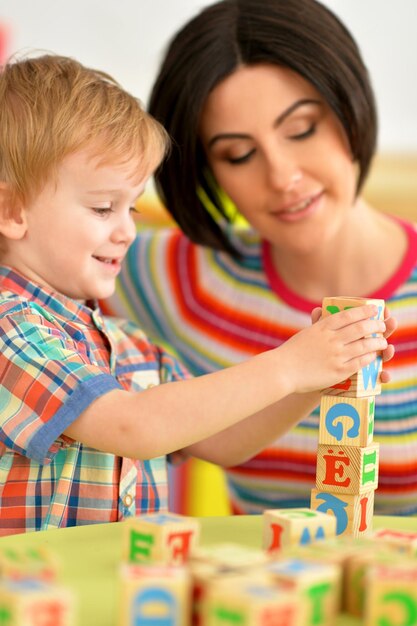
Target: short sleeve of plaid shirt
46,382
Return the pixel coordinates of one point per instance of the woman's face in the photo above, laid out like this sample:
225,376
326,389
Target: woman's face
280,154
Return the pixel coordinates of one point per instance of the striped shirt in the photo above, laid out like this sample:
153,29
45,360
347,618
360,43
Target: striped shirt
217,311
56,357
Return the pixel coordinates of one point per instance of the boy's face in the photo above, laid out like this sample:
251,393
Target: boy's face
79,228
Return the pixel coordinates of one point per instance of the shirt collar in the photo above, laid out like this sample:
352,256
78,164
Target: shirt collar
14,283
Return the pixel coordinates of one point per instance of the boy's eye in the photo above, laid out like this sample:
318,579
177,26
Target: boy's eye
134,209
102,210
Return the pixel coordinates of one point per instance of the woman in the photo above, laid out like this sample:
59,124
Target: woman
272,115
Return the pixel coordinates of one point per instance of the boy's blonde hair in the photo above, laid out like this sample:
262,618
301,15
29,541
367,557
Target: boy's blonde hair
52,106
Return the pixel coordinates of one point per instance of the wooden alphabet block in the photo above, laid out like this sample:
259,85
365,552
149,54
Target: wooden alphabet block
331,305
152,594
347,421
317,586
206,575
254,604
229,556
402,541
34,603
366,382
356,570
391,594
161,538
353,513
28,564
347,469
287,527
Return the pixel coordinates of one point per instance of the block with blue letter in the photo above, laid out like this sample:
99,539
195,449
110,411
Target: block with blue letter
153,594
347,421
287,527
353,513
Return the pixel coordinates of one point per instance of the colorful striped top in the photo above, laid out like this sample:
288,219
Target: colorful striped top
57,356
217,311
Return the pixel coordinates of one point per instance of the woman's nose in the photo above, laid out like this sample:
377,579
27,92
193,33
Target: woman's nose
283,174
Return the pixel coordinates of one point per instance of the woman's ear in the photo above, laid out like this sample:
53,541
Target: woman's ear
13,223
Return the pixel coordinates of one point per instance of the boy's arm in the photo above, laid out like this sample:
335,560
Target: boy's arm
178,415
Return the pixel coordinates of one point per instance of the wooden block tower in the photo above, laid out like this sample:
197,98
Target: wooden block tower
347,458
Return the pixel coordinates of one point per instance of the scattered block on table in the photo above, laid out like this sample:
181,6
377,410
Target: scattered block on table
286,527
402,541
391,594
205,575
28,563
356,571
347,469
154,594
317,586
250,603
353,513
347,421
34,603
229,556
163,538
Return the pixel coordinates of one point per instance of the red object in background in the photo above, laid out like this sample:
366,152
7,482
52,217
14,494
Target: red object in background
4,42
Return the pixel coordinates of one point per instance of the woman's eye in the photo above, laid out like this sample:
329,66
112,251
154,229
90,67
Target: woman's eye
241,159
305,134
134,209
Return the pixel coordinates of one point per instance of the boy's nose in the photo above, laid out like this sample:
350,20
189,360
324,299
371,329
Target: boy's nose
125,230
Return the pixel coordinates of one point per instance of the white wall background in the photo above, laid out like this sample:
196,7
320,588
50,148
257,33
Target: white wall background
127,37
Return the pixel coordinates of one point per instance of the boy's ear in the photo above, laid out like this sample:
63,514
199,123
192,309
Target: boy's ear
12,214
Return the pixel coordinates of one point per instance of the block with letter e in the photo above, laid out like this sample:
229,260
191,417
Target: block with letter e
288,527
366,382
347,469
353,512
159,538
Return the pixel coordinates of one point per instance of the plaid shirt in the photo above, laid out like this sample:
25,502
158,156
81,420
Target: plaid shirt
56,357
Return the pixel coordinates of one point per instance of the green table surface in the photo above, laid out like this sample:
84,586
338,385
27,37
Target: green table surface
90,555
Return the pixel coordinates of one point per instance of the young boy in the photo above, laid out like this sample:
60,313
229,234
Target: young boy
84,425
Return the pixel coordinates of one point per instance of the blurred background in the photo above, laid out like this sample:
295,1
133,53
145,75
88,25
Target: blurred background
127,38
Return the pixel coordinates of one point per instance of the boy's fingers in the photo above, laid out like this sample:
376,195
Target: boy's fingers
353,315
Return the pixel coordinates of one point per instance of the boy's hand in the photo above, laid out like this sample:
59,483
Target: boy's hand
335,347
390,324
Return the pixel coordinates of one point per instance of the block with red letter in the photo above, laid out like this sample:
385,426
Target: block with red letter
250,603
163,538
34,603
154,594
353,513
391,594
316,585
288,527
347,421
366,382
347,469
402,541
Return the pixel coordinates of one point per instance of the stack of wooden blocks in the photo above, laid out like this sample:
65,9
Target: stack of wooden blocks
347,457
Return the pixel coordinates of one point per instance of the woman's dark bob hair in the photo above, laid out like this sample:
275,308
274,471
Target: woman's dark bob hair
302,35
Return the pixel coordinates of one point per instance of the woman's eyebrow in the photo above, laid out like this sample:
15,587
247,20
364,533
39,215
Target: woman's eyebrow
293,107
